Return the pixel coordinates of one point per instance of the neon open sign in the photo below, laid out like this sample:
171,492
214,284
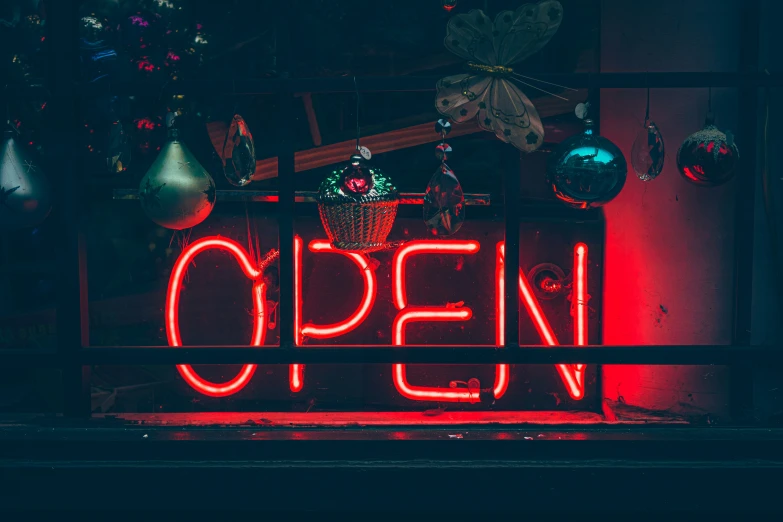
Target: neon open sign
571,375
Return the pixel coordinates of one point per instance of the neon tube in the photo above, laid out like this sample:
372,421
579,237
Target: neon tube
501,370
580,283
421,393
407,315
172,313
365,306
580,300
568,373
296,371
423,247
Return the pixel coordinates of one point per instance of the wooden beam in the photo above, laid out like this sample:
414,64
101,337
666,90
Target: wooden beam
384,142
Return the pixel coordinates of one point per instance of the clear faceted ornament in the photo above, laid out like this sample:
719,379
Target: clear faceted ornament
647,153
239,153
442,151
443,126
444,203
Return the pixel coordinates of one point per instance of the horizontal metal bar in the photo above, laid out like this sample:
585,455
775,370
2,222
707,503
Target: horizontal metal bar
653,355
606,80
30,359
271,196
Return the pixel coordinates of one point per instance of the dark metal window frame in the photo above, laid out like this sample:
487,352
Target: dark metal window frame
74,354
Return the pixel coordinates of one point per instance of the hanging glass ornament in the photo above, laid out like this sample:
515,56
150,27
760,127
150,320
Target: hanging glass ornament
444,201
356,178
709,157
586,170
177,192
239,153
358,204
25,196
647,152
448,5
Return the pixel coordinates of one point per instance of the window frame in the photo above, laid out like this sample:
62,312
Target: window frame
74,354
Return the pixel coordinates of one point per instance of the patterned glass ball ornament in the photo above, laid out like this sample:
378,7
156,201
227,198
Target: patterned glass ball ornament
356,176
587,170
709,157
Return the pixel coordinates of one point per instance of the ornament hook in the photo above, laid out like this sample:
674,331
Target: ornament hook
710,119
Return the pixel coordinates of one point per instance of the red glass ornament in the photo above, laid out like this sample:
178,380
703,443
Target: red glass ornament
357,178
708,157
448,5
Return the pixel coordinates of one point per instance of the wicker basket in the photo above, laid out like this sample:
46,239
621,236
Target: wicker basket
359,225
358,222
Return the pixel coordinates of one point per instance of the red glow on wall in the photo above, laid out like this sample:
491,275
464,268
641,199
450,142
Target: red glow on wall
568,373
172,312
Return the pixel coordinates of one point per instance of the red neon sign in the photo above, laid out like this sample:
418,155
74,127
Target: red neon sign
172,312
572,375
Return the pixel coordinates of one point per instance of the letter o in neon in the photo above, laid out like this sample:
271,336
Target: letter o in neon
172,313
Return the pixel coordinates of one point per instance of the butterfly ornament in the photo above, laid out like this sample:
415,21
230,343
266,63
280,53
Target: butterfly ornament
489,92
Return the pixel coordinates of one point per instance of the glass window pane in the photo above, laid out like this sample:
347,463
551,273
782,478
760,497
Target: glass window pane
27,238
143,192
30,391
169,40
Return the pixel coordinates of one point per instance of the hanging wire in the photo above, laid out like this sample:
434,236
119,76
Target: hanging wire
230,120
160,99
8,124
542,81
647,112
7,105
358,129
251,251
540,89
769,197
